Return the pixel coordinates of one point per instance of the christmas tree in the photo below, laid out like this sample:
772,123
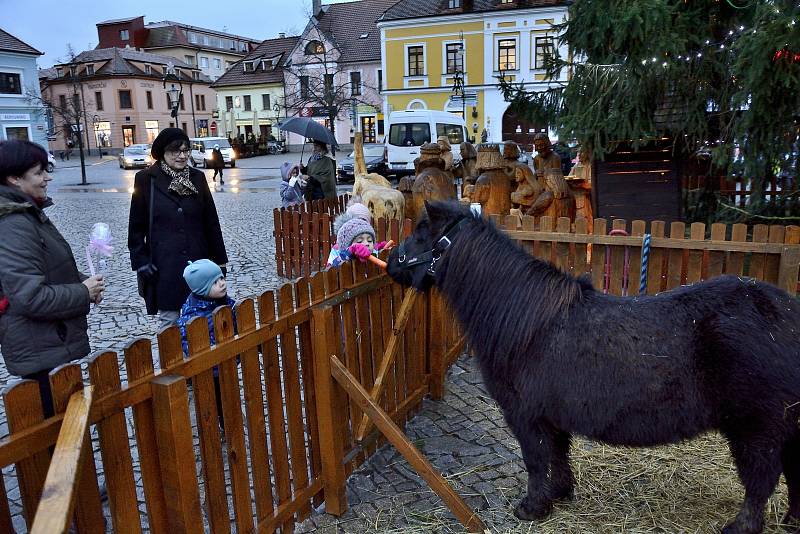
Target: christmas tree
718,76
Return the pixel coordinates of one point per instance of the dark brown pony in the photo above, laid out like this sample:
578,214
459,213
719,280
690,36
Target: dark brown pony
561,358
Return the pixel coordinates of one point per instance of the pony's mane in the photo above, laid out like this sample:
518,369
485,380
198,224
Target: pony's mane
501,294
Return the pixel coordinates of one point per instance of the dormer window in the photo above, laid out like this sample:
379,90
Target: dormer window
59,72
315,47
148,69
90,70
506,2
453,4
195,75
177,73
72,71
249,66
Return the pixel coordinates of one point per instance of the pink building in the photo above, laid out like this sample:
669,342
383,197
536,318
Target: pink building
122,98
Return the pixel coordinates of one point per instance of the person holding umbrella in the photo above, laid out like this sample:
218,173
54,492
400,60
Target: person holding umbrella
321,172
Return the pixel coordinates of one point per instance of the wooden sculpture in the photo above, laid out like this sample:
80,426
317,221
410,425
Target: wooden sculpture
446,152
467,170
493,187
376,192
525,187
556,200
432,181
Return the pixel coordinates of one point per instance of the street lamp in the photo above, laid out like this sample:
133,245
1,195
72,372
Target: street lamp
173,93
458,78
95,120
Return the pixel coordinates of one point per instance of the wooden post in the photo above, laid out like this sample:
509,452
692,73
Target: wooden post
174,438
436,348
401,442
61,485
331,409
788,269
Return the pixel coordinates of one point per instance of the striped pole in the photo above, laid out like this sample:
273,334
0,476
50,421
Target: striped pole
645,256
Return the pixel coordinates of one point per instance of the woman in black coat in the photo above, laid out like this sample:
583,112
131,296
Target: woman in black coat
185,224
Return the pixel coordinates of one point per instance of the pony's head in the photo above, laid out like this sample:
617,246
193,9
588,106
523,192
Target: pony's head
413,263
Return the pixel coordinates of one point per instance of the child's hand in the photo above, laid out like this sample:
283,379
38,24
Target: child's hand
360,251
380,245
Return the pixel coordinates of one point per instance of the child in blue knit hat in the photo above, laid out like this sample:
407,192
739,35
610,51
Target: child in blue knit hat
209,291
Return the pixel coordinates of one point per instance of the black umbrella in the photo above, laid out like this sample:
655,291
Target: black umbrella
308,128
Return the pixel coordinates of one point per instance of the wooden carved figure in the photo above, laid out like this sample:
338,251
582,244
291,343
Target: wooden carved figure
525,187
446,152
375,191
467,170
545,157
493,187
432,181
556,200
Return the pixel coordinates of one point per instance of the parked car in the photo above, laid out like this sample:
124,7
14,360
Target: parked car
51,162
374,157
276,147
203,146
135,156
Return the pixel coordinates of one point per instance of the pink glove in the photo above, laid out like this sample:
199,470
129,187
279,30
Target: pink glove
380,245
360,251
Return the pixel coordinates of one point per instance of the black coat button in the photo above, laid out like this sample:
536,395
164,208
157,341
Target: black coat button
180,210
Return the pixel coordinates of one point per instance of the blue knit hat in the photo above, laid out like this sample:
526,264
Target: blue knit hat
200,275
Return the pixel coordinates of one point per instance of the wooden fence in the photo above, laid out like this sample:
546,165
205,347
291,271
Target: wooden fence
737,190
303,239
769,253
287,442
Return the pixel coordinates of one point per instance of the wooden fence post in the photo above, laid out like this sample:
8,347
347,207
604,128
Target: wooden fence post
436,346
174,438
331,410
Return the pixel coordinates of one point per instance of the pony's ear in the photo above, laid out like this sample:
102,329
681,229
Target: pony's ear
437,214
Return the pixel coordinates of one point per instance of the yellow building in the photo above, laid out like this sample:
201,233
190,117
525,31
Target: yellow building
447,56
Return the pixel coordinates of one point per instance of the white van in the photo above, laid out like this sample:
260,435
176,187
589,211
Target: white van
202,147
411,128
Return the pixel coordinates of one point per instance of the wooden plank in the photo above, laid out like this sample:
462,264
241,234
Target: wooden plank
331,406
435,344
139,364
316,243
735,263
294,409
694,267
296,241
254,406
581,266
23,406
64,381
757,261
616,267
638,229
234,424
286,225
303,301
277,430
655,266
392,346
395,435
170,349
547,225
777,234
598,256
350,334
716,259
401,367
210,441
276,218
61,485
307,243
562,248
174,438
389,395
677,232
788,270
327,239
115,447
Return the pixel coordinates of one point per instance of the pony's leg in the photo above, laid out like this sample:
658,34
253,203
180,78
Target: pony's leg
790,458
562,481
536,443
758,462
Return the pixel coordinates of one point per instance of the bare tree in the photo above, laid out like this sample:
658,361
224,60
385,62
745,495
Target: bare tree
321,82
68,108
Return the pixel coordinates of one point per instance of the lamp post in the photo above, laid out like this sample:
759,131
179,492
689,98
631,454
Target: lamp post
458,78
95,120
173,93
277,109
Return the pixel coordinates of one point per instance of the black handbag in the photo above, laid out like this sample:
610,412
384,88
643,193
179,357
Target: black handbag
147,275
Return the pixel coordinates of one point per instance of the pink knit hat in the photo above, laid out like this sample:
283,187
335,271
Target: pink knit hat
360,211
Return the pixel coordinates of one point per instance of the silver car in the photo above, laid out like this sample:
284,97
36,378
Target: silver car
135,156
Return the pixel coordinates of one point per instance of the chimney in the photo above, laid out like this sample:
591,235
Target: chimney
317,7
281,35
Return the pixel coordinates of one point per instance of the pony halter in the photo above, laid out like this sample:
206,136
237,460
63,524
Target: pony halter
432,256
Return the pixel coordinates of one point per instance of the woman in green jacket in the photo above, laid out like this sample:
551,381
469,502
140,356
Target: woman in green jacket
44,299
321,171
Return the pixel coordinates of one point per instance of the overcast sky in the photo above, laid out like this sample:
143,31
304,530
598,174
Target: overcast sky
49,25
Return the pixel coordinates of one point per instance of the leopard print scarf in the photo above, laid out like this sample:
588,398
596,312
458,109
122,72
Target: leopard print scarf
180,184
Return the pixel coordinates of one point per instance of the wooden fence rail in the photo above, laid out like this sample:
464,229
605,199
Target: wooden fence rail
284,450
769,253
